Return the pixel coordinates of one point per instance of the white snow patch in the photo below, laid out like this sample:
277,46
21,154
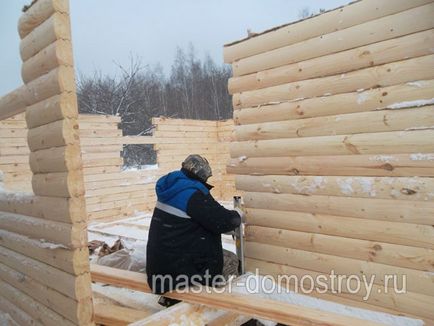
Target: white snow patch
410,104
140,167
300,185
242,158
360,90
419,128
362,97
343,76
345,184
422,157
50,245
383,158
367,185
418,84
327,94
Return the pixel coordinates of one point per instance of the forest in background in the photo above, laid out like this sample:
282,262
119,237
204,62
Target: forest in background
195,88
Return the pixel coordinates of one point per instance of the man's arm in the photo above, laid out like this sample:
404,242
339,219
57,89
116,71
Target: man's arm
206,211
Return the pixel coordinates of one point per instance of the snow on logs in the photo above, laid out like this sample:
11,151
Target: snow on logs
334,148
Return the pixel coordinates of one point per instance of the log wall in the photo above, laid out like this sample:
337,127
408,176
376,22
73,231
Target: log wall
112,192
44,263
334,149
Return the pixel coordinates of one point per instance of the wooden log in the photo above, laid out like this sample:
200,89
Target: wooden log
55,82
57,233
139,140
12,103
378,121
71,261
260,308
117,161
410,46
343,165
102,170
401,142
410,304
380,76
65,210
56,134
100,133
56,159
416,281
365,187
59,184
384,28
372,251
375,209
124,175
56,54
99,118
17,314
340,18
32,307
75,287
100,149
183,128
55,27
77,312
14,167
118,190
205,135
38,13
13,132
55,108
110,314
121,182
13,159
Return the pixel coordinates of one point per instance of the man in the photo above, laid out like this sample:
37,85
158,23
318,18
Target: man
185,234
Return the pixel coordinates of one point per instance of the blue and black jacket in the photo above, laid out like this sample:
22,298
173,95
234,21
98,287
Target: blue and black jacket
185,232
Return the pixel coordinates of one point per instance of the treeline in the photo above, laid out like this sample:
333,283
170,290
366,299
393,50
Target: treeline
194,89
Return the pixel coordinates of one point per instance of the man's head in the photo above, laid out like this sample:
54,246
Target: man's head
197,165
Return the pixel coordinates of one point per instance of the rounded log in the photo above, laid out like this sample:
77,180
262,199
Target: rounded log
56,159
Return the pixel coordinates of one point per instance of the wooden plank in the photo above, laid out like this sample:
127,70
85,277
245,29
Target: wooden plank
406,188
183,122
385,75
377,121
75,287
99,118
343,165
75,311
410,46
401,142
71,261
410,304
99,133
13,132
372,251
38,13
186,134
57,233
32,307
384,28
367,208
114,315
84,125
340,18
260,308
183,128
416,281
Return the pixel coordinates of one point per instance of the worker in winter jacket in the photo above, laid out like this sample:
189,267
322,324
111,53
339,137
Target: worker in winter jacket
185,233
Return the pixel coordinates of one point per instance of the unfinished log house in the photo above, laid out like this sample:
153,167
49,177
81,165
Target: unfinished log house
334,149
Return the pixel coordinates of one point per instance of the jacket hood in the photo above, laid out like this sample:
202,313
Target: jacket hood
170,185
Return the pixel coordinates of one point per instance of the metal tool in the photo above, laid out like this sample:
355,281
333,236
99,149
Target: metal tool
239,239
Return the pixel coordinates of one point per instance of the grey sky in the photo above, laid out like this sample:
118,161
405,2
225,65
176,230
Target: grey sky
104,31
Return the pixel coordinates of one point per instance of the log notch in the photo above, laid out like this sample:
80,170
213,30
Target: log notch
44,268
333,149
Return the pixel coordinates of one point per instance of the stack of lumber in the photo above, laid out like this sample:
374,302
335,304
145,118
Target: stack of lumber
44,263
14,154
334,149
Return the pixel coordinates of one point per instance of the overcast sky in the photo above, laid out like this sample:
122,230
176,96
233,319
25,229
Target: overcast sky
105,31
